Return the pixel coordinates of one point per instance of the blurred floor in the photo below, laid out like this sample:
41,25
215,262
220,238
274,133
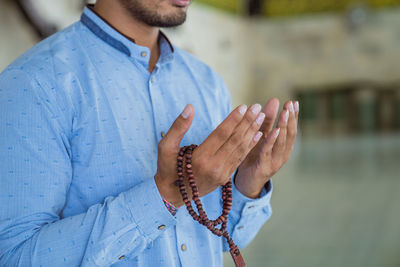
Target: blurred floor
336,203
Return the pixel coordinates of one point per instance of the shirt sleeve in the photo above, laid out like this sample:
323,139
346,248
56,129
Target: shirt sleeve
247,215
35,175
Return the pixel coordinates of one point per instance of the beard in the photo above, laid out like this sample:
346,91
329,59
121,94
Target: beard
152,15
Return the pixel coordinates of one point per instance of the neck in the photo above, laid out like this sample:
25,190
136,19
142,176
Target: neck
120,18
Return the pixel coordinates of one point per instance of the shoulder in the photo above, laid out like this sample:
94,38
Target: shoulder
35,77
45,64
47,56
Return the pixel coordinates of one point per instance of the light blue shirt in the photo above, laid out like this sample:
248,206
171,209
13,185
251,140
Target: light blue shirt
80,120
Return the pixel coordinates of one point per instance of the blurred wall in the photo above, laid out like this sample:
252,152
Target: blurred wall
16,34
260,58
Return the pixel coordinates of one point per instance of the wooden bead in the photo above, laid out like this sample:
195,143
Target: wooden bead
184,159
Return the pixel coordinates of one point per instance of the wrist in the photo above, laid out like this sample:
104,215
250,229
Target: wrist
251,187
168,191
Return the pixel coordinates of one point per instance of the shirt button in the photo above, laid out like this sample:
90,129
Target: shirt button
162,134
143,54
122,257
240,227
162,226
183,247
152,79
250,207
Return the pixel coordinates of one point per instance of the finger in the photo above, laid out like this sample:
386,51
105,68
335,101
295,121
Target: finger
271,111
222,133
236,158
178,129
279,146
252,119
291,131
297,109
249,141
268,144
296,112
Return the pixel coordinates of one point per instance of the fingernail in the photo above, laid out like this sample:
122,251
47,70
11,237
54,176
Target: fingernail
242,109
260,118
286,116
186,112
277,133
257,136
296,106
256,109
291,108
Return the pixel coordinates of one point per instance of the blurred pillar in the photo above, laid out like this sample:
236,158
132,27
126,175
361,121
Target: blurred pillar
397,108
254,7
387,110
308,115
365,103
323,116
339,106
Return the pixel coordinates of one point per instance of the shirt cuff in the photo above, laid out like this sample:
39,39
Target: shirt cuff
246,205
148,210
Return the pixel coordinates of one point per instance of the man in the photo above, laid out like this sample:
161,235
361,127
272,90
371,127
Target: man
85,168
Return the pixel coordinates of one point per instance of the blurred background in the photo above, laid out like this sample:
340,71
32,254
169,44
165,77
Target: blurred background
337,201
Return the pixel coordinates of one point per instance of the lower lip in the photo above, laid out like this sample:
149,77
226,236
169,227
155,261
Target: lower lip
181,3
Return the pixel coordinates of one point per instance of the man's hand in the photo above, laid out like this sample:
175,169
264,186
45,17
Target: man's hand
272,151
215,160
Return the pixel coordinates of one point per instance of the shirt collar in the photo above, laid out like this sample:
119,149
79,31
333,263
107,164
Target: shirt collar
102,29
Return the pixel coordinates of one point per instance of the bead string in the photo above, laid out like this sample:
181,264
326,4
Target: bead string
185,153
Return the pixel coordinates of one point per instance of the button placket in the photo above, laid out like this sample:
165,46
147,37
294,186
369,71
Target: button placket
157,103
180,241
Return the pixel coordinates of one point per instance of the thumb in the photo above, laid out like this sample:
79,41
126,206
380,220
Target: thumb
180,126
